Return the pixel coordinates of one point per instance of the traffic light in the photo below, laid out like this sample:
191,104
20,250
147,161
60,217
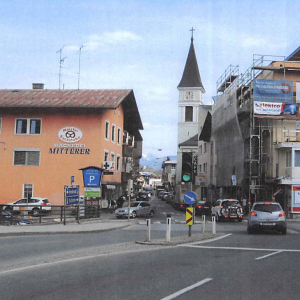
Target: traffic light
187,167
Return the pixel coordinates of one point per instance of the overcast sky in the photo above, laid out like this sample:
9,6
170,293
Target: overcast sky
140,45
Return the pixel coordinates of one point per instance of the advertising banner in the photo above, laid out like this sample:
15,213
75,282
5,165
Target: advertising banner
289,108
273,91
268,108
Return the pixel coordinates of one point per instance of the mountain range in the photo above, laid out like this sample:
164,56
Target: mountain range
150,161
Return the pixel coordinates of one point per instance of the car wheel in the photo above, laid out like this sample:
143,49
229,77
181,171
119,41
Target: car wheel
35,212
217,218
283,231
134,214
151,213
240,219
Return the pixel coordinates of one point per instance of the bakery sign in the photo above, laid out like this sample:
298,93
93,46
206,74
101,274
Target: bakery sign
70,136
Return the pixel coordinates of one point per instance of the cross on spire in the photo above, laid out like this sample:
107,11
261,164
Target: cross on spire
192,30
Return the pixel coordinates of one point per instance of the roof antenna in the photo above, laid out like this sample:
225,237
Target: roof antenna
79,64
61,61
192,30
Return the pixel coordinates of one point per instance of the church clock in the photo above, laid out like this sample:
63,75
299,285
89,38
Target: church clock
189,95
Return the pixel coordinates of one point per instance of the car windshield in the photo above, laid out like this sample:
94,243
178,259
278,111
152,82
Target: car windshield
229,203
267,207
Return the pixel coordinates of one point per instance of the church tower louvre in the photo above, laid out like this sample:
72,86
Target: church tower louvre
191,92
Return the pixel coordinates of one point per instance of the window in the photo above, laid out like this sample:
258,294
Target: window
200,168
27,190
297,158
28,126
119,135
26,158
106,130
112,157
189,114
118,163
205,167
113,129
205,149
288,160
200,151
106,155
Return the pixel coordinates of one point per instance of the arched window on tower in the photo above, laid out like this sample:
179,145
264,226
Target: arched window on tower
189,114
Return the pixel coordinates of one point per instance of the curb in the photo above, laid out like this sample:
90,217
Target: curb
181,240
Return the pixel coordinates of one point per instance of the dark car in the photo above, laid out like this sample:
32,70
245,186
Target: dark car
203,208
143,196
168,197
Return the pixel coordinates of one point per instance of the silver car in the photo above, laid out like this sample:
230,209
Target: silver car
267,216
137,209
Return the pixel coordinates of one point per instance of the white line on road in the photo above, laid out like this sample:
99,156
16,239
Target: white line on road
265,256
241,248
189,288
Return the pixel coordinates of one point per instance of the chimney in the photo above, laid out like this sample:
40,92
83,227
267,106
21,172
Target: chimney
37,86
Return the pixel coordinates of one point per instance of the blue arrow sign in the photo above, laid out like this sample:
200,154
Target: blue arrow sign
190,197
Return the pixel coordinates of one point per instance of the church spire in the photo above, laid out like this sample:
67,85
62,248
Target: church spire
191,75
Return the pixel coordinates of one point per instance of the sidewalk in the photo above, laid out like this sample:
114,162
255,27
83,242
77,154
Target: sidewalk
106,222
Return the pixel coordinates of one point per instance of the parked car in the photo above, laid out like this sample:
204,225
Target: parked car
144,196
227,209
168,197
267,216
35,205
203,208
164,195
137,209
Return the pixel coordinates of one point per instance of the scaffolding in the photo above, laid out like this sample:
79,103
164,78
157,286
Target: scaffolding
258,130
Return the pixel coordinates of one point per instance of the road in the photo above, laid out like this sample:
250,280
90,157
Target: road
110,265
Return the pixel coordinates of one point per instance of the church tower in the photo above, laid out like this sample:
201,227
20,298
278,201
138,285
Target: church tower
191,92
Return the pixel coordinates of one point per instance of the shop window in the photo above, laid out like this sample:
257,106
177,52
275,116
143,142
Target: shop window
28,126
26,158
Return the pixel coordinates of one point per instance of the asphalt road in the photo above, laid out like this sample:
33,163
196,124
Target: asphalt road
110,265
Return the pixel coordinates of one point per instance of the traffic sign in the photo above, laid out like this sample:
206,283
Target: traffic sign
190,198
189,216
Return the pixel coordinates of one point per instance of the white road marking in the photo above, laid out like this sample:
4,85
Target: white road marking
189,288
265,256
240,248
206,241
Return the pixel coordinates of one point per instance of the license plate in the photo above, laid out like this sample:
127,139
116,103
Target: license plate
267,224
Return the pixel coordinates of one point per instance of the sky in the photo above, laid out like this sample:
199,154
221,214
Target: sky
140,45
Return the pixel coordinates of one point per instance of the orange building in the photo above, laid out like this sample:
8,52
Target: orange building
48,135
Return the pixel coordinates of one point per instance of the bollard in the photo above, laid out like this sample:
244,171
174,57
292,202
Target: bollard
148,230
168,235
203,223
213,219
